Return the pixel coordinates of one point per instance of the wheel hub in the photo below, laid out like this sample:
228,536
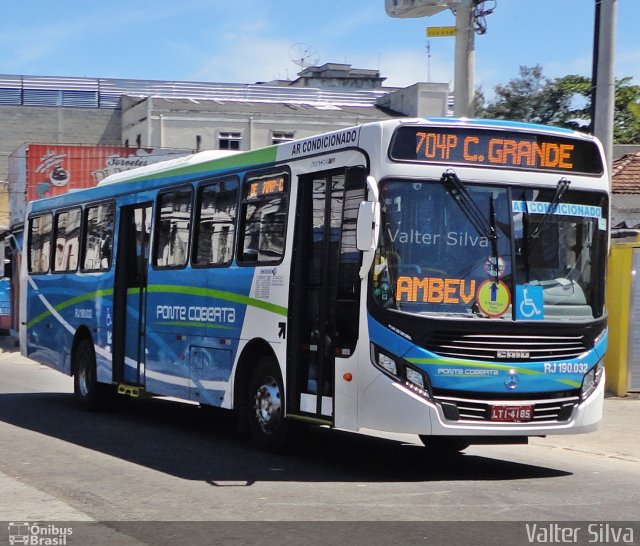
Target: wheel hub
83,382
268,405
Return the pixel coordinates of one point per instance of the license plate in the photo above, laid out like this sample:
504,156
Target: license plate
511,413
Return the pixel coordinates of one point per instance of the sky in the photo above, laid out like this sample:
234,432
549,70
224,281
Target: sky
246,41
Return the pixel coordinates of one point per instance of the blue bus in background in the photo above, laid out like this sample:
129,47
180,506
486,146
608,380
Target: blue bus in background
438,277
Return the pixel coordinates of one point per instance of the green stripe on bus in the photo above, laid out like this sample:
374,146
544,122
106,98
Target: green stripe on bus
169,289
489,365
72,301
218,294
191,323
244,159
472,364
569,382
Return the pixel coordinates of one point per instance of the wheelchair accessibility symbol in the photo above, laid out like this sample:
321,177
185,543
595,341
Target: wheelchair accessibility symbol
529,302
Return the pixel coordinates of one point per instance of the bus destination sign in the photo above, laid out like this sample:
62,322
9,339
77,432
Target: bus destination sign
494,148
260,187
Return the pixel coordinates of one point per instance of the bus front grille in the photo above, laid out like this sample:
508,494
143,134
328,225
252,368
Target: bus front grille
505,347
555,410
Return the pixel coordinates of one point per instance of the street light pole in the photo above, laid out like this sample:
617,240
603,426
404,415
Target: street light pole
465,49
604,80
464,61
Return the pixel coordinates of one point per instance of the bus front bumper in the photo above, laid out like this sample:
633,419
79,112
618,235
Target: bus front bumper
404,411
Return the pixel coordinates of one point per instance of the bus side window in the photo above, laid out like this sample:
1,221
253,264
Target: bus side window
67,230
40,228
263,219
214,231
174,223
98,241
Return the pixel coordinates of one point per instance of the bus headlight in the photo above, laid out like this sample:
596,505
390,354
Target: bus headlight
387,363
415,377
417,381
400,370
591,380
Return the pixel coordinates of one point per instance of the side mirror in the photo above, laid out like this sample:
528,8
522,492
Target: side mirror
368,224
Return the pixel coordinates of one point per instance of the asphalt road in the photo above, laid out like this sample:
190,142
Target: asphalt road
154,460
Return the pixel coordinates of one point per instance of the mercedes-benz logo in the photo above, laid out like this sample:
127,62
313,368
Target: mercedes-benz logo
511,382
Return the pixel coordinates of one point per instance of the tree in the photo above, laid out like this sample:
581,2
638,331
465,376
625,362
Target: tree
531,97
626,123
565,102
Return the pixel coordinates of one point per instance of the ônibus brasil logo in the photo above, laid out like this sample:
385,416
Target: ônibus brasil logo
38,534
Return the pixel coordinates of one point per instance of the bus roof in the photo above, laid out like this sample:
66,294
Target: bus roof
506,124
164,166
194,165
247,158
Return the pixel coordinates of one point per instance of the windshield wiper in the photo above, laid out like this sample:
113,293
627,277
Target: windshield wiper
470,208
561,188
485,228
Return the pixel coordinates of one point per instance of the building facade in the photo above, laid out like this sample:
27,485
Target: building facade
200,115
185,116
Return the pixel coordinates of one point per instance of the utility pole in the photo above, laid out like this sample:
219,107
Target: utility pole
604,85
464,61
465,48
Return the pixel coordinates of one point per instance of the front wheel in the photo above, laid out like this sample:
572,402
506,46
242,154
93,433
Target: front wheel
444,445
265,399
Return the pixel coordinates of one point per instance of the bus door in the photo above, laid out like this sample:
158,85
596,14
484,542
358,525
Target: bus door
323,307
129,294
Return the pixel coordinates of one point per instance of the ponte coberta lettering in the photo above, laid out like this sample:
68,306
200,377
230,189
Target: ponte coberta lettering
194,313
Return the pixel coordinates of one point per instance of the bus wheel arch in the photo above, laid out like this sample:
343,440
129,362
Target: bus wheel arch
259,396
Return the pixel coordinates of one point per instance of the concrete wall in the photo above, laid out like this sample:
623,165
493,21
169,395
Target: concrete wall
169,131
168,123
419,100
30,124
4,208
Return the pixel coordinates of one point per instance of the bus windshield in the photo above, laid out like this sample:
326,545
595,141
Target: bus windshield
518,254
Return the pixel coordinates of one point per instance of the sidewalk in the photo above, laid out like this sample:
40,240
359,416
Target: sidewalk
618,435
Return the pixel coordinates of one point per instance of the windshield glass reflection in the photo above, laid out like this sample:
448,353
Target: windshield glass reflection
435,258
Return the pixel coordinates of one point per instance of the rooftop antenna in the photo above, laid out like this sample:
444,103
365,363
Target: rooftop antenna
304,55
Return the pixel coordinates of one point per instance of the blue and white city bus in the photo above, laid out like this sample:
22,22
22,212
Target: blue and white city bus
438,277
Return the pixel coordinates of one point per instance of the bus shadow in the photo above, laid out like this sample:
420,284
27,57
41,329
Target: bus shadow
193,443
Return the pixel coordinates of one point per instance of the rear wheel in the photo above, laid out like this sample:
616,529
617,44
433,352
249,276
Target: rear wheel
265,399
85,385
444,445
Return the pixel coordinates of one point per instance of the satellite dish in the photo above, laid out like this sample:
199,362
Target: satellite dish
304,55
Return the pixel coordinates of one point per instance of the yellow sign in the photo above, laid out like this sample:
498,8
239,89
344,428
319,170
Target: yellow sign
494,298
438,32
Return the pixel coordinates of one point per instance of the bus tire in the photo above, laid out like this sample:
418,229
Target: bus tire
444,445
265,401
85,384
